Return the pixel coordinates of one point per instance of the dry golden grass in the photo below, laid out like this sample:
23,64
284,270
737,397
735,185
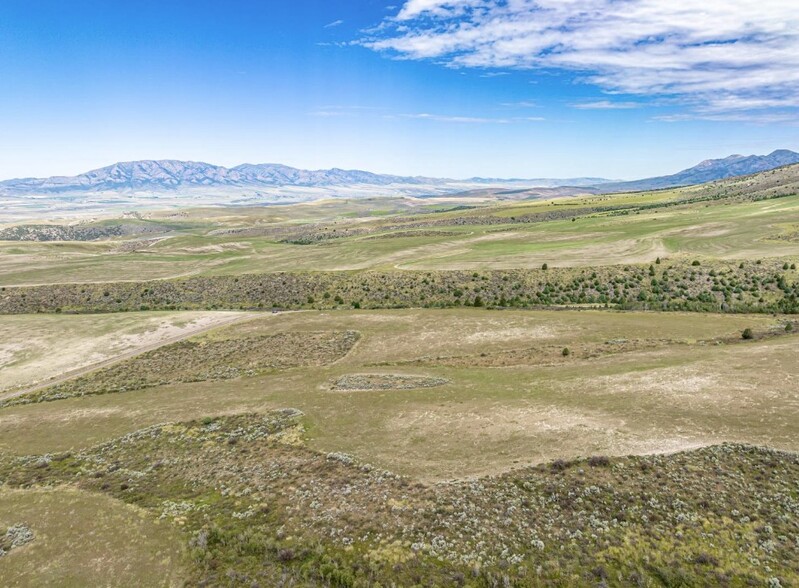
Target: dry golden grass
86,539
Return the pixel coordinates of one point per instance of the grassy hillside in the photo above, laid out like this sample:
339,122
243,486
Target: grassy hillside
769,286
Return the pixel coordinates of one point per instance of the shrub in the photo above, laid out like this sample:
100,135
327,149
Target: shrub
705,559
544,267
695,262
566,352
598,461
747,334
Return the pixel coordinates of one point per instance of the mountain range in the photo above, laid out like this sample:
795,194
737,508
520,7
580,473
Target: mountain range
174,177
709,171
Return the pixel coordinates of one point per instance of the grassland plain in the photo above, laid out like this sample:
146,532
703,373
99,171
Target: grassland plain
632,383
745,218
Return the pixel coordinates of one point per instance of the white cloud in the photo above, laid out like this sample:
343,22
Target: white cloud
415,8
605,105
335,23
715,55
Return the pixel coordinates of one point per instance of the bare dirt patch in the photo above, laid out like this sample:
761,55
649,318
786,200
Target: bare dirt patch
685,383
515,333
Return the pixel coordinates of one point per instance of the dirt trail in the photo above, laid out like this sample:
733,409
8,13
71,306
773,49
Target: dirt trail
68,375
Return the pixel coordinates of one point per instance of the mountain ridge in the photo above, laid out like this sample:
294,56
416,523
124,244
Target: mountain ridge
169,176
709,170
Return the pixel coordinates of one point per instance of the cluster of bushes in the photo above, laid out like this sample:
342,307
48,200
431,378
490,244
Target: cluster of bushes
80,232
722,287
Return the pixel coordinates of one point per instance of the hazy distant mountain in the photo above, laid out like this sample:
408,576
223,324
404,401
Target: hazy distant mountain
171,175
270,182
710,170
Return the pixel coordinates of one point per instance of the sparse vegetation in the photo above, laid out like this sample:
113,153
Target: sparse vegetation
200,360
295,516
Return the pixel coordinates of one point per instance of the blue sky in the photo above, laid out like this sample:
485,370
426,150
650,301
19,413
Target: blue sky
502,88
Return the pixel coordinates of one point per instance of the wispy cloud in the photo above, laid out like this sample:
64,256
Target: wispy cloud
335,23
520,104
757,118
605,105
715,56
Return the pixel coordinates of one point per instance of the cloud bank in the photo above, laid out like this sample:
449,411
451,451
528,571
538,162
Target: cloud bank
717,56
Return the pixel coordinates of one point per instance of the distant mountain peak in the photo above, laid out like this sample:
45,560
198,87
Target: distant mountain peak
710,170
